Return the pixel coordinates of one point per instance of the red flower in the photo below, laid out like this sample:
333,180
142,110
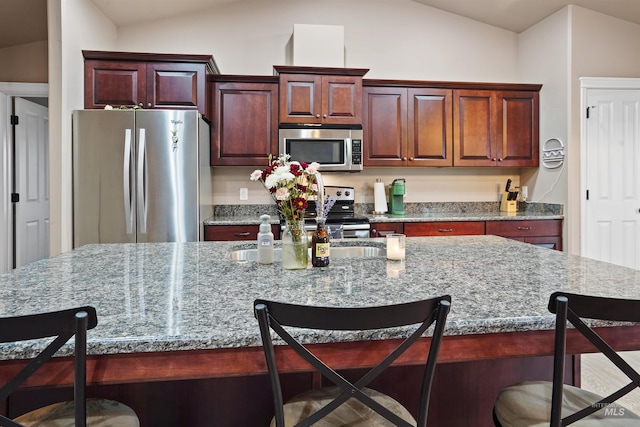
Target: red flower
304,165
300,203
295,169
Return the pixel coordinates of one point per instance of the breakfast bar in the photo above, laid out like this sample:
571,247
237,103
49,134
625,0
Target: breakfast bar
175,312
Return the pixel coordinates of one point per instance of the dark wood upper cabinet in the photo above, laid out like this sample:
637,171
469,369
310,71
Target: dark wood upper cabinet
244,130
312,95
407,126
496,128
384,126
146,80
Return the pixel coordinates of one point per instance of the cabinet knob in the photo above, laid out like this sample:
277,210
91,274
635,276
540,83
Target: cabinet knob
411,158
149,105
324,115
141,105
499,160
404,159
318,116
494,159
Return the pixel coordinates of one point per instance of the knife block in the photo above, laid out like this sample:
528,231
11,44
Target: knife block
509,206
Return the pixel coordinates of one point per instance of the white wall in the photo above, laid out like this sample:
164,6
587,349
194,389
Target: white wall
74,25
25,63
544,57
395,39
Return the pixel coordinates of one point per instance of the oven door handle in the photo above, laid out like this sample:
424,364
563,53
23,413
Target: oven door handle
356,226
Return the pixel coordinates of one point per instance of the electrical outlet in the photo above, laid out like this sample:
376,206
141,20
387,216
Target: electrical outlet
244,194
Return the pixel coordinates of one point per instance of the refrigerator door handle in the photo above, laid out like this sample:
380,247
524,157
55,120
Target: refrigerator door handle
126,179
142,183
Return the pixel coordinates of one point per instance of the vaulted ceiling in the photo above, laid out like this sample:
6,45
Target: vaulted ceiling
25,21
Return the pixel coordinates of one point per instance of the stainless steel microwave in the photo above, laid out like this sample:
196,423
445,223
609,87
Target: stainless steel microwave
337,149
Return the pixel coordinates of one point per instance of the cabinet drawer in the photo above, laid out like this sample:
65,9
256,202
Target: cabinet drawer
384,228
452,228
236,232
550,227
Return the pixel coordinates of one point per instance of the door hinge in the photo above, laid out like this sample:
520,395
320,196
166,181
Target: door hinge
14,120
15,197
587,194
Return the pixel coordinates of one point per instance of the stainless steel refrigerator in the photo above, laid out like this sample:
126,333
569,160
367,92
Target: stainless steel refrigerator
139,176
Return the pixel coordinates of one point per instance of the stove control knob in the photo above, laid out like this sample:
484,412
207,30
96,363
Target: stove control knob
347,193
338,193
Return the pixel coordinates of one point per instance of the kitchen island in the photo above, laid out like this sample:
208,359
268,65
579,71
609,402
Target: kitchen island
182,313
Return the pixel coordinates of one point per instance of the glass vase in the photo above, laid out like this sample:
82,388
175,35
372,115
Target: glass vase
295,252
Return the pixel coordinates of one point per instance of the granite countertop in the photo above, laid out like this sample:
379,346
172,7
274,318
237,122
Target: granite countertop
184,296
415,212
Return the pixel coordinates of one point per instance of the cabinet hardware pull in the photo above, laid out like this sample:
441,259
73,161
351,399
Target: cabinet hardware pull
493,159
499,160
445,230
524,228
404,159
324,115
318,116
246,233
411,158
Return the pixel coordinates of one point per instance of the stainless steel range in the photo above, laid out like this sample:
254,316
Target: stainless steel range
342,222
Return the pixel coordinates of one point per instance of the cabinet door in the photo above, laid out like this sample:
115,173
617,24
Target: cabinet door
383,228
176,86
518,124
447,228
546,233
236,232
245,125
301,99
430,127
525,228
114,83
384,126
474,127
341,100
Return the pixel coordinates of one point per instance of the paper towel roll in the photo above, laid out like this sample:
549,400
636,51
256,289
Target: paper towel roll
379,198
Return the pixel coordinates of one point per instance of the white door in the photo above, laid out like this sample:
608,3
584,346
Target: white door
612,229
32,182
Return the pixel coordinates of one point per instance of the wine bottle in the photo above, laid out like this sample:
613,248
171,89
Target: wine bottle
320,246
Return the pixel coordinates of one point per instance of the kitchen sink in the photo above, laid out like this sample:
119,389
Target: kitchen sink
335,252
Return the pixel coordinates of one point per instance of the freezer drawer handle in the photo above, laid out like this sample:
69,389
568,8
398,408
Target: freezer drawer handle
126,179
524,228
142,183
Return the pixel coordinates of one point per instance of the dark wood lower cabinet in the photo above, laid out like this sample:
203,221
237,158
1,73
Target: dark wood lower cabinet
448,228
236,232
463,393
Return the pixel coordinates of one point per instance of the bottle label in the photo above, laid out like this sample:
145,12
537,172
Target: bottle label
265,242
322,250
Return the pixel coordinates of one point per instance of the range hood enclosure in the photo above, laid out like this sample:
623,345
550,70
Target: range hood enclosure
318,45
